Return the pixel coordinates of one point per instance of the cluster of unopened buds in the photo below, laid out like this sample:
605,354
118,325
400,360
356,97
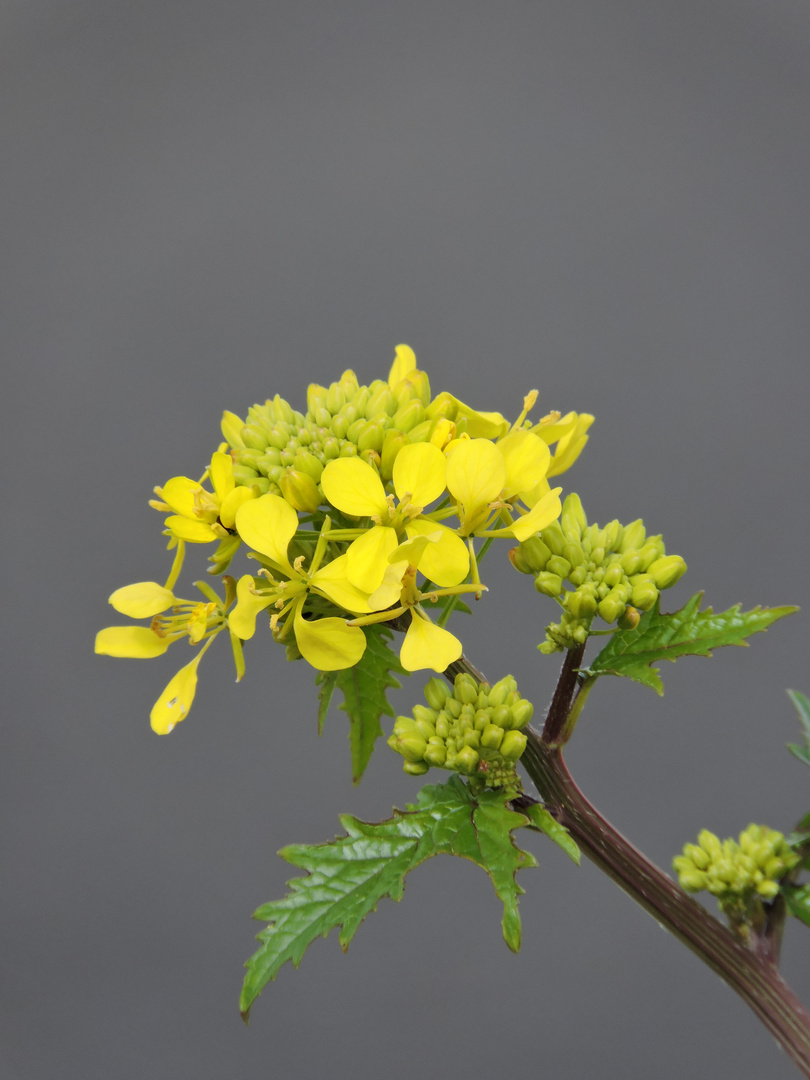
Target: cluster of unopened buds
740,874
614,572
473,729
365,509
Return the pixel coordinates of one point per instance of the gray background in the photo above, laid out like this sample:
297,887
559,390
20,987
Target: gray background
206,203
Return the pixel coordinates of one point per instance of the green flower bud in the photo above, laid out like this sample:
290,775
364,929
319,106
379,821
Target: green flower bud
392,444
339,426
421,432
630,619
517,560
633,536
436,692
411,746
244,475
300,490
667,570
611,608
631,562
559,566
381,401
582,604
572,519
513,745
574,554
467,760
254,437
597,555
692,881
370,436
502,717
548,584
415,768
534,553
481,719
335,398
492,736
316,398
453,707
522,712
307,463
465,688
232,429
331,449
497,693
613,535
349,384
613,575
442,726
422,712
409,415
348,449
644,594
436,754
554,539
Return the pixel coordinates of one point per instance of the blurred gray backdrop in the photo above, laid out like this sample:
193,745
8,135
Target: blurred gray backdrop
207,203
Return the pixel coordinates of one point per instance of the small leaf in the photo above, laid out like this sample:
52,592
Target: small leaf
797,898
802,705
364,688
347,877
688,632
546,823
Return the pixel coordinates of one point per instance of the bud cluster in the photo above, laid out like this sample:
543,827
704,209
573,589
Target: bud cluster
740,874
613,572
284,452
472,729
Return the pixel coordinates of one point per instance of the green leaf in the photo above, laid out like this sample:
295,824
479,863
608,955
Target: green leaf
802,704
688,632
546,823
347,877
797,898
364,688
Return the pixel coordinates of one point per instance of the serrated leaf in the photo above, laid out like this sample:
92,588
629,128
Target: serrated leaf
797,898
348,876
688,632
802,705
364,689
546,823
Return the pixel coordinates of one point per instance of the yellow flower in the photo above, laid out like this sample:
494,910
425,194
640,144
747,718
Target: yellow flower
267,525
201,516
174,703
569,433
354,487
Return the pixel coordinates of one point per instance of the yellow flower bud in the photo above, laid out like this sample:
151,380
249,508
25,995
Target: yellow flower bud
548,584
667,570
467,760
513,745
300,491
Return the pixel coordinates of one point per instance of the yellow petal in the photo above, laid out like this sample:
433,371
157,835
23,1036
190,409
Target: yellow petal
428,646
541,515
221,473
331,580
476,473
527,459
267,525
231,503
390,590
419,472
174,703
536,493
179,493
142,600
367,557
570,446
480,425
414,548
445,561
242,619
404,363
354,487
195,532
328,644
137,642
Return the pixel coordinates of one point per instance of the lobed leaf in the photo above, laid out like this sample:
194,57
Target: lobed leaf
543,820
797,898
667,636
347,877
364,688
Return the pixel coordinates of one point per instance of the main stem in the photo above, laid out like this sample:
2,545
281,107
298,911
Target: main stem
750,973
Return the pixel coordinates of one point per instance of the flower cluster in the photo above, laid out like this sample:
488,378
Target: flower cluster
473,729
741,875
614,572
364,509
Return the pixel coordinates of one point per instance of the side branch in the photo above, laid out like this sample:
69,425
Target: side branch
753,977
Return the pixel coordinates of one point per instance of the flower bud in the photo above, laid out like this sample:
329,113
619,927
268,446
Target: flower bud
611,608
574,554
497,693
633,536
422,712
644,594
573,518
535,554
630,619
307,463
392,444
548,584
667,570
436,692
316,398
412,746
553,537
513,745
254,437
492,737
415,768
436,754
517,560
232,429
335,398
370,436
467,760
381,402
465,688
502,717
613,535
300,490
522,712
409,415
339,426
